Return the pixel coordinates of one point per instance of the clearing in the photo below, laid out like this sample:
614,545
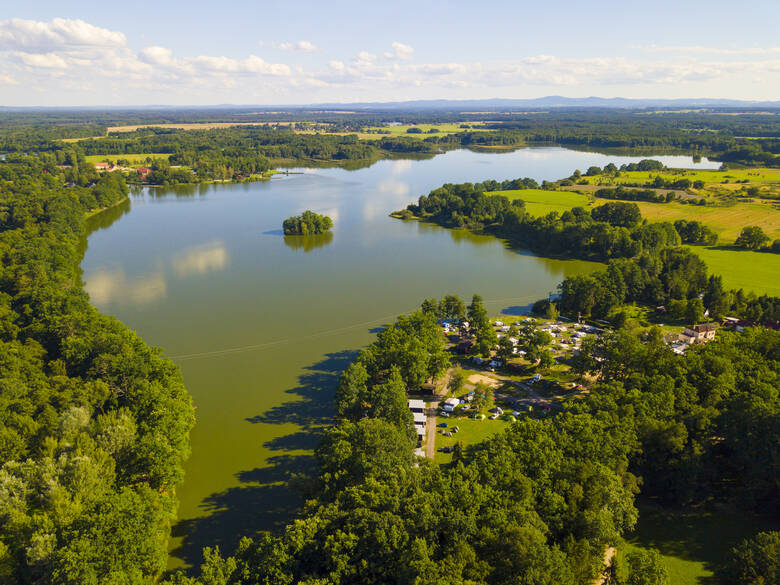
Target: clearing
540,202
692,542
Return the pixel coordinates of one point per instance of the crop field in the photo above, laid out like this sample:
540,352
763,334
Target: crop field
135,159
539,202
752,271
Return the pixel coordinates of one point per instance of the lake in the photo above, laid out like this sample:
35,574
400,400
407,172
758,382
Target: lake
262,324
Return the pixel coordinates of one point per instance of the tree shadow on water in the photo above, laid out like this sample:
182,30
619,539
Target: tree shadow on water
265,500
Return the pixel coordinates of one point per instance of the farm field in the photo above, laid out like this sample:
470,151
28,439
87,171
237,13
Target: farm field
727,222
448,128
539,202
728,177
752,271
191,126
692,544
135,159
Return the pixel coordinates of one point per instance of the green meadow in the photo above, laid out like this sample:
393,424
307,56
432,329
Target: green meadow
539,202
752,271
692,543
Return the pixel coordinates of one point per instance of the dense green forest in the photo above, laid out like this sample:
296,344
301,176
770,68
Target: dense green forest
94,424
539,502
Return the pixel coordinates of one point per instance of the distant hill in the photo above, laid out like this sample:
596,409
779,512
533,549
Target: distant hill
553,101
486,105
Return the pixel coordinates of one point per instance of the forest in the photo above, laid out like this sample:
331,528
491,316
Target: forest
94,424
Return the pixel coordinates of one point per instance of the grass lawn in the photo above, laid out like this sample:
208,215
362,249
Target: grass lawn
539,202
752,271
727,222
135,159
471,431
692,543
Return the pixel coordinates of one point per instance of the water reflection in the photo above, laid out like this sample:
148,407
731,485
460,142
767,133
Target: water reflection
107,217
308,243
106,287
201,259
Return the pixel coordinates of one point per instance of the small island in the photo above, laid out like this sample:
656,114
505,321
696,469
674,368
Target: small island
307,223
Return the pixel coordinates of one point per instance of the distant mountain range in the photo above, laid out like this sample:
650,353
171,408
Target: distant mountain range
482,105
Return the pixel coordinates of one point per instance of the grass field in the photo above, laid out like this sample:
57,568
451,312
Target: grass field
752,271
471,431
443,129
727,222
539,202
135,159
692,543
708,176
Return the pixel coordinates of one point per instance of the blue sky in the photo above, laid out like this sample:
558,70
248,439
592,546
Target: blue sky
269,52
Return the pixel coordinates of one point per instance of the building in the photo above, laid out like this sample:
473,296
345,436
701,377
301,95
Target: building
420,420
699,333
450,404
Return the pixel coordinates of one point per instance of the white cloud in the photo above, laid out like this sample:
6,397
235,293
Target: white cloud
400,51
702,50
42,37
302,46
34,57
43,60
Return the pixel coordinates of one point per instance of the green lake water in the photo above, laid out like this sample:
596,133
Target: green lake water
262,324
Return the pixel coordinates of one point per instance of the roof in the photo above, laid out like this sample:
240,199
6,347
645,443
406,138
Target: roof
453,401
416,404
419,418
704,327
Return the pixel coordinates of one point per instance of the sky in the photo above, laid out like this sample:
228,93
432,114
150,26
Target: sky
89,53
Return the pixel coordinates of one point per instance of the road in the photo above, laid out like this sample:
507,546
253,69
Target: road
430,430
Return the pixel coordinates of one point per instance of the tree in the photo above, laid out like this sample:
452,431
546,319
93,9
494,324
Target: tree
430,306
546,359
751,238
505,347
645,568
755,561
389,402
457,379
452,307
694,311
618,213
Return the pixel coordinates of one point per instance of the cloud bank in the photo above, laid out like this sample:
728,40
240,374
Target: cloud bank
75,60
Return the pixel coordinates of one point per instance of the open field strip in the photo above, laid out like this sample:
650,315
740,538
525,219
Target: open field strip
540,202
